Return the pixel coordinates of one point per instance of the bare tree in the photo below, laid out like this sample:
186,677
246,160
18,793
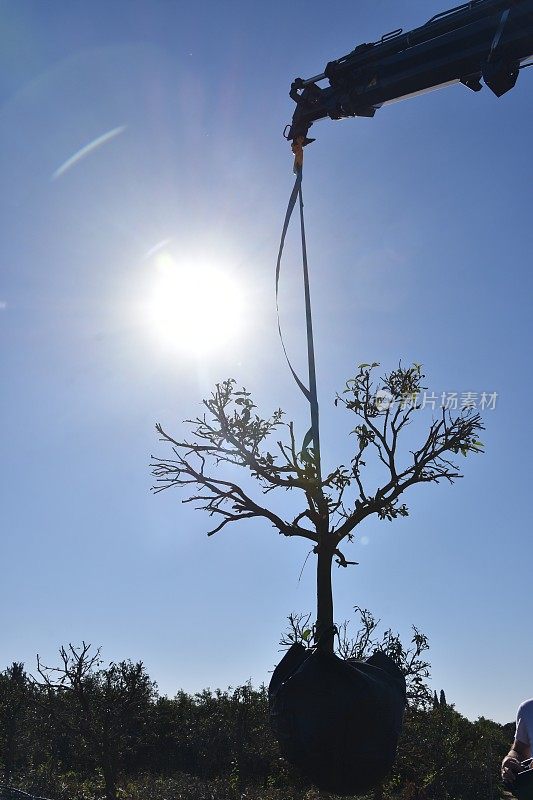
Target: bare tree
112,704
230,432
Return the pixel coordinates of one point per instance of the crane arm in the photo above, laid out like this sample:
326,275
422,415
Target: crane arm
485,40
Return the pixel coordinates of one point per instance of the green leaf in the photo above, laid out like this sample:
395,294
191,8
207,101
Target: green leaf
306,634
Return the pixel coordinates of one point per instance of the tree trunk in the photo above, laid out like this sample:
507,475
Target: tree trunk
10,749
324,622
109,763
110,781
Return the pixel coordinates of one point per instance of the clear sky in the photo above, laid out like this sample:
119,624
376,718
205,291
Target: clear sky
420,242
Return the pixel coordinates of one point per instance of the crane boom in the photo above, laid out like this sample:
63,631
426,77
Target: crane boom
485,40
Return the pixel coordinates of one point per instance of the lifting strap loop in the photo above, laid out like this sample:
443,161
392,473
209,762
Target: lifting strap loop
290,208
310,393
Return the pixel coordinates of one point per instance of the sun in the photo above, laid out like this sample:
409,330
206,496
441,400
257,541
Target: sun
195,307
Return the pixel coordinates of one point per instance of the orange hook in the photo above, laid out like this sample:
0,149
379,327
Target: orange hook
297,148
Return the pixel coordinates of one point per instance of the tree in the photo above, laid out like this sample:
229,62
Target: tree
443,755
14,702
113,705
230,432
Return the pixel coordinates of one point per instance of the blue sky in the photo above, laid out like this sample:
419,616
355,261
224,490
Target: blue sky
420,242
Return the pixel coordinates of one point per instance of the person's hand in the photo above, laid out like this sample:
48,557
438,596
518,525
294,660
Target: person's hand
510,769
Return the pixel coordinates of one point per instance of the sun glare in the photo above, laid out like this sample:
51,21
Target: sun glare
195,307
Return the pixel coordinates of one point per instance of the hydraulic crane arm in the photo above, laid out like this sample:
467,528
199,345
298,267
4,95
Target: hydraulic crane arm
482,39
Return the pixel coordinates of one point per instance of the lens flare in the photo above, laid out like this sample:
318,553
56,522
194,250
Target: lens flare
79,155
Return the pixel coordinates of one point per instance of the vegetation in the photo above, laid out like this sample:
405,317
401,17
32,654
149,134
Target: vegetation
88,731
85,730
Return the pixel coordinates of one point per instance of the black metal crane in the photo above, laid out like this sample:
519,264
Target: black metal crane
489,40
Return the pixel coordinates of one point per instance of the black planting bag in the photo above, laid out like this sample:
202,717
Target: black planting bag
337,721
